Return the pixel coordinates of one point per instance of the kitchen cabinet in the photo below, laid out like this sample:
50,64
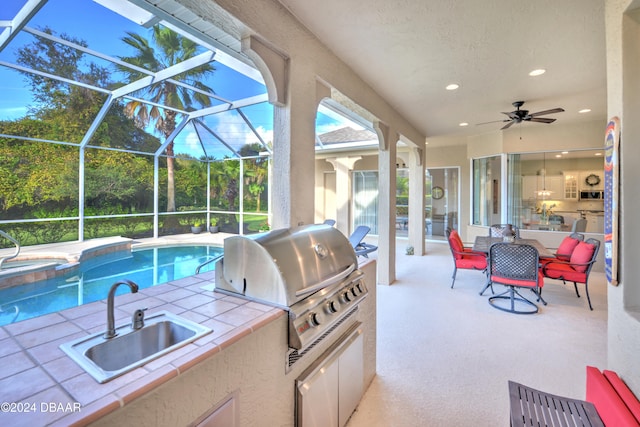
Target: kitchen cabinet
225,415
571,191
329,391
532,184
595,223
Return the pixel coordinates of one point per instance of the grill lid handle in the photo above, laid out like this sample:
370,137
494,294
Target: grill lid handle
331,280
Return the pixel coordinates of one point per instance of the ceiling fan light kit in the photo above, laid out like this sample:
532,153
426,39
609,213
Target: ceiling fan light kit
519,116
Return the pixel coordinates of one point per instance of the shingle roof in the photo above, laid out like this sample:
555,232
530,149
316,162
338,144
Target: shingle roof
347,134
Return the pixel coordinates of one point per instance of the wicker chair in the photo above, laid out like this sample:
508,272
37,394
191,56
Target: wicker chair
515,266
496,230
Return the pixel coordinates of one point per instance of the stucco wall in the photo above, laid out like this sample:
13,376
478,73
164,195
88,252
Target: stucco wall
623,69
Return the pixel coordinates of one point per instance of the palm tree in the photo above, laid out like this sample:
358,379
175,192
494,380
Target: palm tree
168,49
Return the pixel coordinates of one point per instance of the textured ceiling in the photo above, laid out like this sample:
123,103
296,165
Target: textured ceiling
409,50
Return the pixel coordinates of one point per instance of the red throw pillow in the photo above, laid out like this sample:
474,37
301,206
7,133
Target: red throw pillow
581,255
567,246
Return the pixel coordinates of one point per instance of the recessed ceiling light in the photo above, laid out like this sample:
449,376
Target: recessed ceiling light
537,72
565,152
584,110
464,124
452,86
558,155
598,154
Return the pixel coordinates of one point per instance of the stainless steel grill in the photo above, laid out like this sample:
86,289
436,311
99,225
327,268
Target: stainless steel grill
311,271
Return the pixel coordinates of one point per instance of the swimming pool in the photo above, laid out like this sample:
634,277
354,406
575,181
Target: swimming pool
92,279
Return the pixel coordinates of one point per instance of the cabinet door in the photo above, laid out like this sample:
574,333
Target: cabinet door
571,185
223,416
318,398
555,184
350,382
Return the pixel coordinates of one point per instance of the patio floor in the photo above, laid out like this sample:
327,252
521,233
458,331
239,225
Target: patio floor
445,355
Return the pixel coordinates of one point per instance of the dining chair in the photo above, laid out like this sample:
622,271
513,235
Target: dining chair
515,266
577,268
465,258
579,226
568,245
496,230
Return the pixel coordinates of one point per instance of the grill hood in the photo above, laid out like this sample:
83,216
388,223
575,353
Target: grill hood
283,267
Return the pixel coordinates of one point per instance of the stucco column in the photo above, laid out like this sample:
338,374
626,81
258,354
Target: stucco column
292,91
343,167
416,200
386,203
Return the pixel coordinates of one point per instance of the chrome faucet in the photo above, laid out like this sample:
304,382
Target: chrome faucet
111,328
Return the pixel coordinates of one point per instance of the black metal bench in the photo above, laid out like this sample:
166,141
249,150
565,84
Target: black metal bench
530,407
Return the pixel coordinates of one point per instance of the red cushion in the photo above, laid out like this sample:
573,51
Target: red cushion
623,391
472,262
566,247
557,270
609,405
582,254
528,283
456,244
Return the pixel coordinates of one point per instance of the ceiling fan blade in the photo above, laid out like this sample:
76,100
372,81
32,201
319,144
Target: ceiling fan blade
542,120
545,112
508,125
493,121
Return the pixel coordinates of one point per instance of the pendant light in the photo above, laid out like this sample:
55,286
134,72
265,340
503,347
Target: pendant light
544,193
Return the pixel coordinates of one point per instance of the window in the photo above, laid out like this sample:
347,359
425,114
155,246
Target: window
486,191
549,191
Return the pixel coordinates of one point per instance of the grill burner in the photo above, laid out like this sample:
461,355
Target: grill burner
310,271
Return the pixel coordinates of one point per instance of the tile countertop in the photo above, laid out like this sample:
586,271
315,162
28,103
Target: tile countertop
41,385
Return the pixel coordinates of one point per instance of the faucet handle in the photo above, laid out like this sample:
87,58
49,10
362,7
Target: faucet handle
137,320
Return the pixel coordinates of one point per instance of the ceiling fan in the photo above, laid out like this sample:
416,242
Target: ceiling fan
519,115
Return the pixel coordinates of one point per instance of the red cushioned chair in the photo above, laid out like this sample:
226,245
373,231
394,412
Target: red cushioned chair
567,246
515,266
564,251
464,258
577,268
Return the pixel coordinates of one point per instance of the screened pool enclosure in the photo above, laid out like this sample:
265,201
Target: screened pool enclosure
116,122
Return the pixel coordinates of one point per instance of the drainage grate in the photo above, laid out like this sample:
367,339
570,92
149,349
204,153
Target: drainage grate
293,355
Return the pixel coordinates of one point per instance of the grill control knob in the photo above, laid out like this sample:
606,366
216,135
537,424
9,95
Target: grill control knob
355,291
347,296
313,320
332,307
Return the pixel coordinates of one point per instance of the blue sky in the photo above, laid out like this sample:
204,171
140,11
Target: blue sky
103,29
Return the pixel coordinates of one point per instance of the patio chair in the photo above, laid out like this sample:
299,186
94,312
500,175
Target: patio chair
465,258
577,268
496,230
579,226
567,246
515,266
361,248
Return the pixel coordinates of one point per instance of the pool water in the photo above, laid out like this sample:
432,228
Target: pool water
92,280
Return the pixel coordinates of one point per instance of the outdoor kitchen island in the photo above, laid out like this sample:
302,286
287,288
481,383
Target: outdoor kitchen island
238,371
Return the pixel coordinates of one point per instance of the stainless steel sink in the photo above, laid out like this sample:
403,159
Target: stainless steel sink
106,358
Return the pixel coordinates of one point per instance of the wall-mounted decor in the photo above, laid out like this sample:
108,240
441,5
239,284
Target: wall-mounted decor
611,190
437,193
